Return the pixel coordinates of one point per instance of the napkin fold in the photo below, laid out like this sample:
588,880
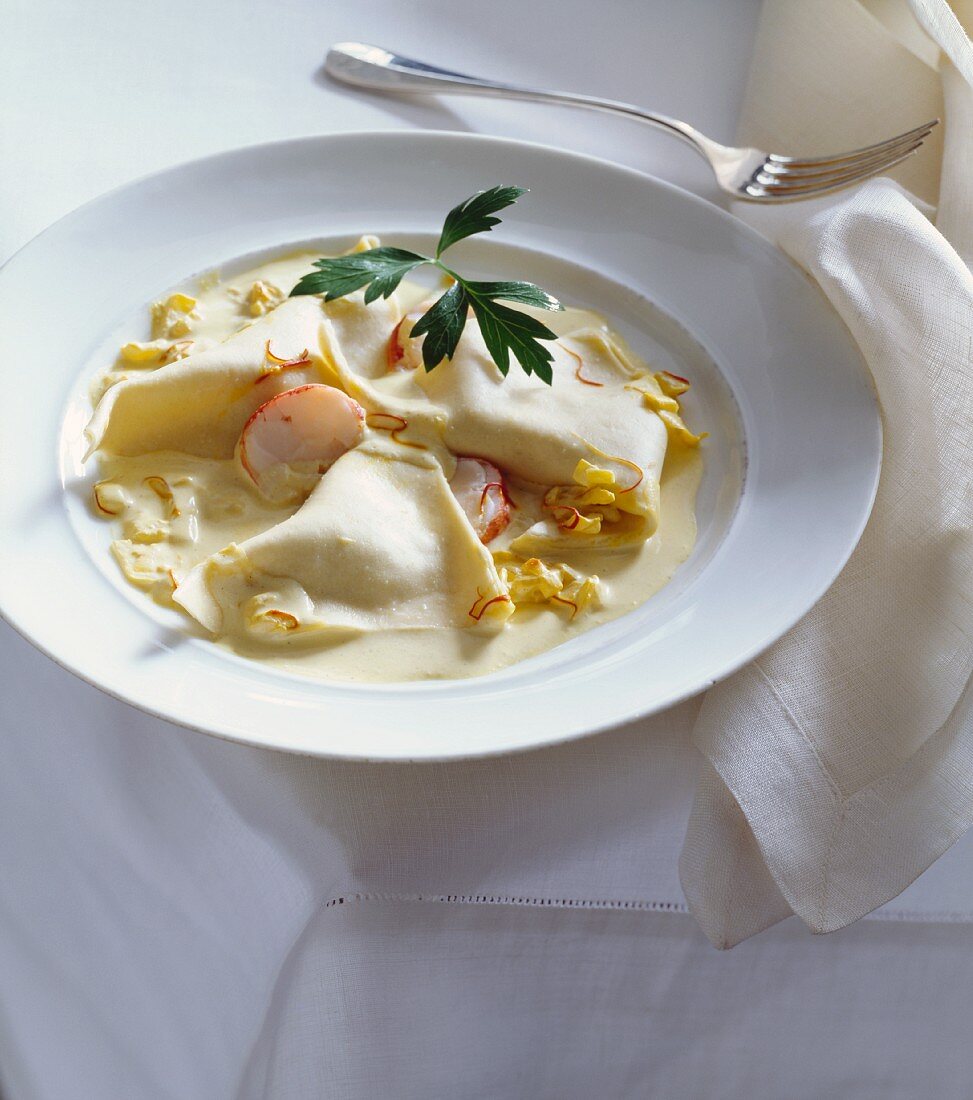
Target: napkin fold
839,765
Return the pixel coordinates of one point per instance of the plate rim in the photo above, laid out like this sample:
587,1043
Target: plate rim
767,639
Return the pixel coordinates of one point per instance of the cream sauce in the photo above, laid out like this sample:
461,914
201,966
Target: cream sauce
158,540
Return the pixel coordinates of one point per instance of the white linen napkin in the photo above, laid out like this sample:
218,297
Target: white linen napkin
839,765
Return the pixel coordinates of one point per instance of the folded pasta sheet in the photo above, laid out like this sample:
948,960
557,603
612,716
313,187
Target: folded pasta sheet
381,544
199,404
590,437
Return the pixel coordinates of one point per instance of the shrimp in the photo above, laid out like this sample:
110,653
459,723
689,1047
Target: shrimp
404,353
480,490
294,437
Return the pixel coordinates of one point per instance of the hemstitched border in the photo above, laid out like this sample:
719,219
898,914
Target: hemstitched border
905,916
516,900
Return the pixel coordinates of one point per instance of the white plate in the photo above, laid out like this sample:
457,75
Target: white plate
777,379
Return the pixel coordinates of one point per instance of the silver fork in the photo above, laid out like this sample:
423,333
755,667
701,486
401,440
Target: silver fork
750,174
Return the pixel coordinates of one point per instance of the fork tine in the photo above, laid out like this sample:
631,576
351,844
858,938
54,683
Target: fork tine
823,186
785,181
773,169
852,154
785,194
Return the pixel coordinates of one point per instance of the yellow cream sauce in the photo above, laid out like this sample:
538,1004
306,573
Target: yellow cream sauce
158,539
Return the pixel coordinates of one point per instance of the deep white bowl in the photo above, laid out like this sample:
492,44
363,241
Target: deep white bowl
791,468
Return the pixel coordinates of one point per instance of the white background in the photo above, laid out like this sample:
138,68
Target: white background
170,922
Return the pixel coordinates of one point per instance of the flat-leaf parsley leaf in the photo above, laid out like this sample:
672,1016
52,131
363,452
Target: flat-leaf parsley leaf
505,331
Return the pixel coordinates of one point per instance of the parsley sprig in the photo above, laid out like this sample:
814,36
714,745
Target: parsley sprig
505,331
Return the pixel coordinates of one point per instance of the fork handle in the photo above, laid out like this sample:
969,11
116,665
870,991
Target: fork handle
365,66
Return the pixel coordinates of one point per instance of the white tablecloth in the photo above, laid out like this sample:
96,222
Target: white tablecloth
180,917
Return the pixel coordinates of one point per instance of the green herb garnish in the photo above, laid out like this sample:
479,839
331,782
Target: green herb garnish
505,331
